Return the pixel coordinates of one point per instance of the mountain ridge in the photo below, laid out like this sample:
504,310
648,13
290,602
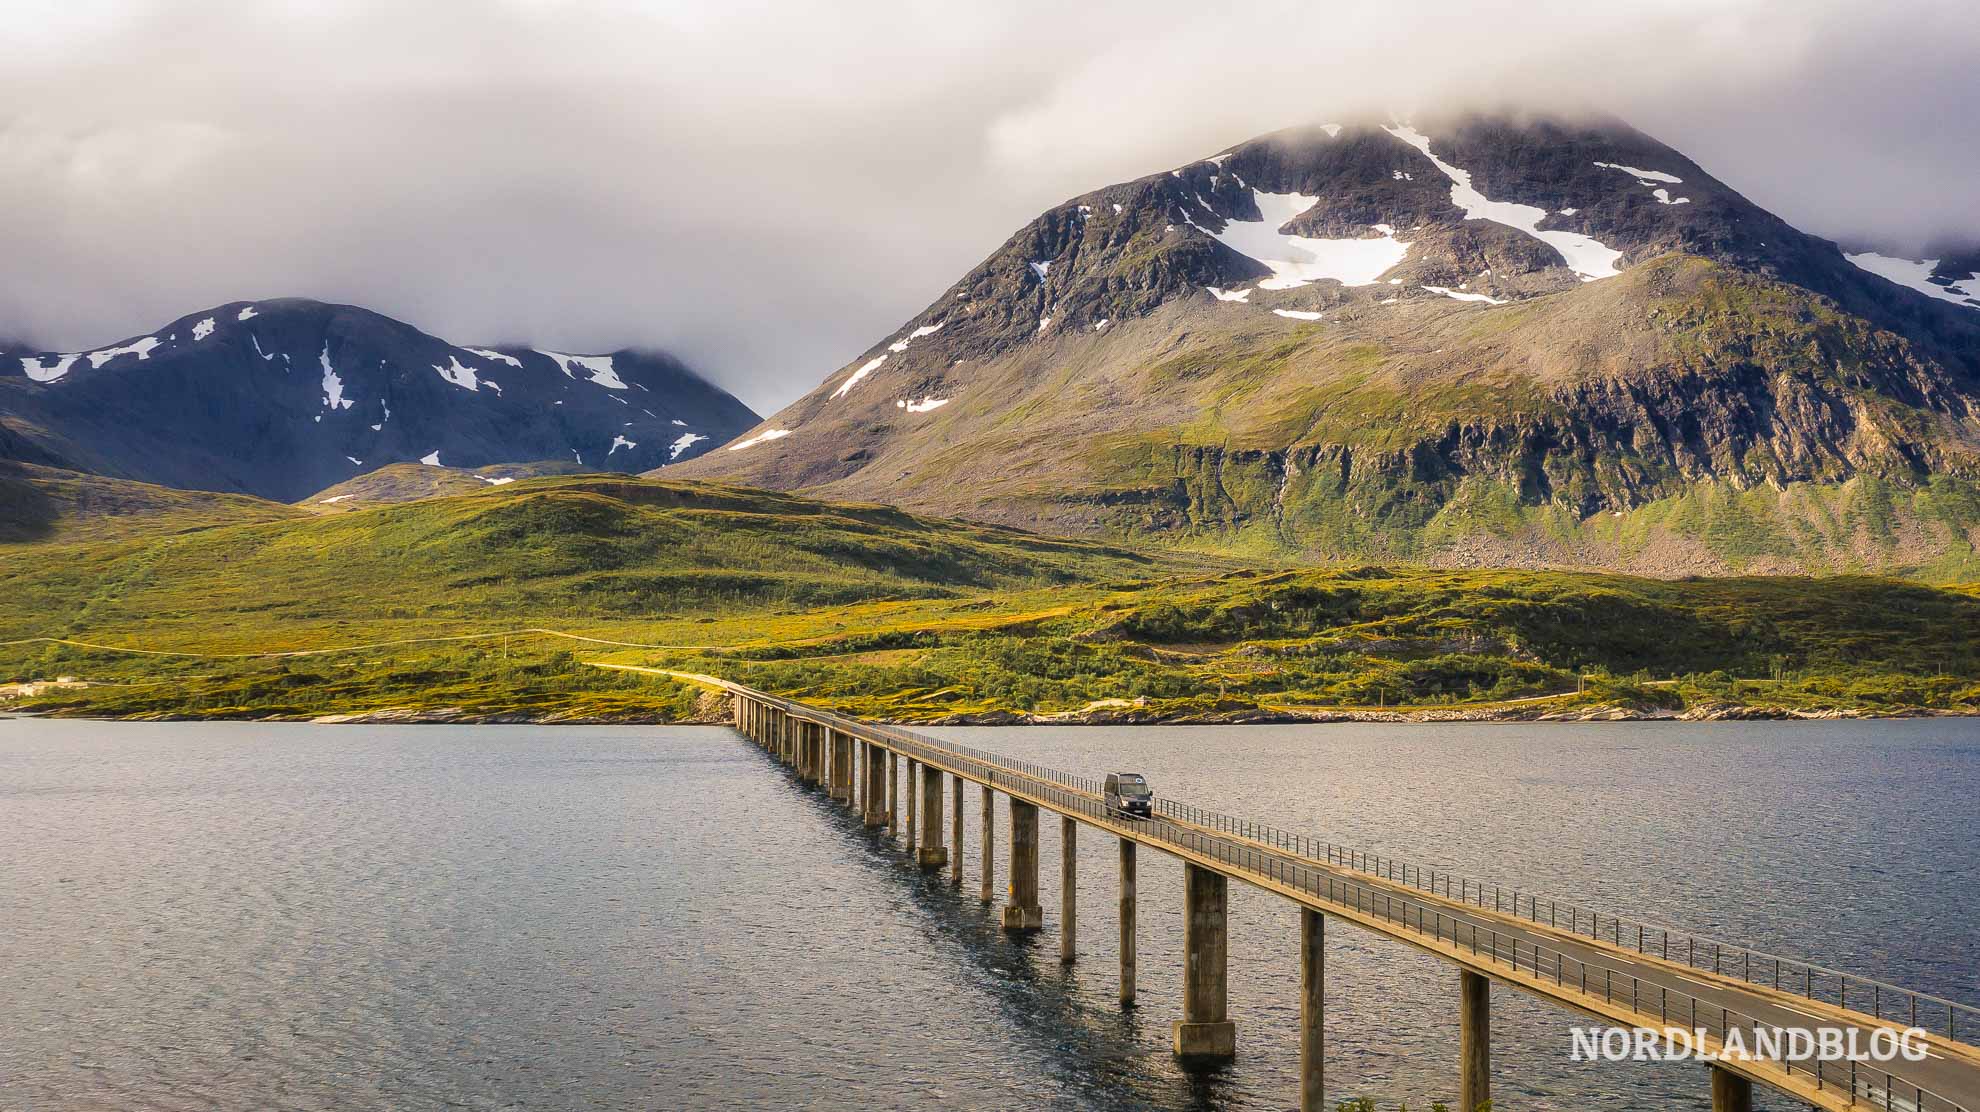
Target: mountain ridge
1564,323
284,397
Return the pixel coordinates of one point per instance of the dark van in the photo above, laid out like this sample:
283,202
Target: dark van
1127,794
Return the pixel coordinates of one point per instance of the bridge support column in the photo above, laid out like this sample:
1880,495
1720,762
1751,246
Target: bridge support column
1730,1091
842,768
913,828
989,844
932,855
1312,1010
1127,923
1204,1032
807,756
893,793
956,835
876,786
1022,913
1068,889
1474,1039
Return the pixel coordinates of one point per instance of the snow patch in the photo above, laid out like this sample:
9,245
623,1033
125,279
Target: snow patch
333,387
759,438
267,356
1332,130
1585,255
1297,314
355,460
922,406
245,314
687,440
1651,175
458,373
1101,324
1229,295
599,368
619,442
1917,275
509,359
857,375
676,421
140,348
334,500
36,371
925,330
1664,197
1117,209
1296,260
1479,297
503,480
1044,323
202,330
431,459
1039,267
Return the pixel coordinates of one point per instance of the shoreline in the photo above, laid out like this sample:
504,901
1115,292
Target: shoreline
1112,716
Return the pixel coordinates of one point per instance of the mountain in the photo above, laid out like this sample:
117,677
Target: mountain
284,398
1482,340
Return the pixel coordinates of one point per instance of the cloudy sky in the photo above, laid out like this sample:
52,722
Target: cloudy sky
767,188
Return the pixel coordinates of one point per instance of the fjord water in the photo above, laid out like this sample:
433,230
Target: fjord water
240,916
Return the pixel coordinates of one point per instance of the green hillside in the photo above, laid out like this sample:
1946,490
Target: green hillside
465,606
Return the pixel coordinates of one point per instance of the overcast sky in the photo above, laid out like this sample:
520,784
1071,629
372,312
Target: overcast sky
766,189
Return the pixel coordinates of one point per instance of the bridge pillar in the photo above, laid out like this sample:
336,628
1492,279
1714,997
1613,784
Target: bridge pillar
932,855
956,835
876,786
1068,888
1474,1039
1022,913
893,793
842,768
912,789
807,757
1127,922
1204,1032
989,843
1312,1010
1730,1091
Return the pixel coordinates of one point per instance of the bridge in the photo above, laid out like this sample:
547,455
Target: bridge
1743,1007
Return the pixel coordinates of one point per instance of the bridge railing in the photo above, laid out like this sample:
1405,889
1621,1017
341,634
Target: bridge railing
1884,1001
1870,1084
1880,999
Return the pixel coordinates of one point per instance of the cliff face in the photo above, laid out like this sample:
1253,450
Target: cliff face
1486,340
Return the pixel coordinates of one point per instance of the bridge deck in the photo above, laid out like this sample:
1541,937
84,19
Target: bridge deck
1622,979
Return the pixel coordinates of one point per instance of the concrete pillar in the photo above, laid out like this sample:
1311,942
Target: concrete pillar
842,772
1127,922
956,836
876,787
989,843
1022,913
913,827
1730,1091
1474,1039
1205,1031
893,793
1312,1010
1068,888
932,855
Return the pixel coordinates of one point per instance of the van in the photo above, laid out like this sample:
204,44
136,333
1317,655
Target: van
1127,794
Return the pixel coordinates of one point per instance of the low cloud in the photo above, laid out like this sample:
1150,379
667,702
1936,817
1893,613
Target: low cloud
766,190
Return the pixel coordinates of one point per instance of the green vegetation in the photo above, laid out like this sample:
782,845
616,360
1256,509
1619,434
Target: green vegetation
439,608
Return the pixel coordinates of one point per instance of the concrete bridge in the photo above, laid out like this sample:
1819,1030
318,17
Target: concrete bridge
1619,971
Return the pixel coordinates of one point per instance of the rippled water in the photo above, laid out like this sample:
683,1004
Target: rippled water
253,916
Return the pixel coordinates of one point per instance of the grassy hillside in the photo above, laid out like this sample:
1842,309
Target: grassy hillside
46,505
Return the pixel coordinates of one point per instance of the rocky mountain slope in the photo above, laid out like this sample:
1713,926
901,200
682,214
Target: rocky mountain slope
1480,340
283,398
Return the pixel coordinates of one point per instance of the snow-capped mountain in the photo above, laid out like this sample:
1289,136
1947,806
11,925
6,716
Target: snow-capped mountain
284,398
1484,339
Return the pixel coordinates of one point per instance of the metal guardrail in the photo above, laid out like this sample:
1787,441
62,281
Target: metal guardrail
1282,857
